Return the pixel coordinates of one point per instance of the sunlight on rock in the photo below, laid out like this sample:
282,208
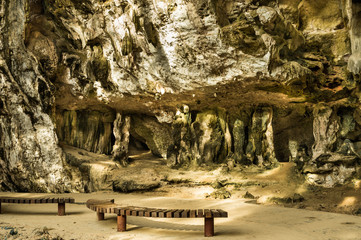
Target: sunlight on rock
357,184
264,199
348,201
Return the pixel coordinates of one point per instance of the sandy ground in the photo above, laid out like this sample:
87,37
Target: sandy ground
245,221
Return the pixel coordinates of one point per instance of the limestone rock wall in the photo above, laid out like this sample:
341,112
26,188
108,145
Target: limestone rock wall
89,130
30,158
198,81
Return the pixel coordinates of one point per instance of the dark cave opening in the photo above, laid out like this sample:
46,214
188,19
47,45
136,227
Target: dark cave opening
293,129
136,145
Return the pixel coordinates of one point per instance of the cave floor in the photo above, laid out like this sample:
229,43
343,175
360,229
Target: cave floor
283,185
245,221
149,175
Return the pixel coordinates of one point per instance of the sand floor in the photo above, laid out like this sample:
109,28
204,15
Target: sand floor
245,221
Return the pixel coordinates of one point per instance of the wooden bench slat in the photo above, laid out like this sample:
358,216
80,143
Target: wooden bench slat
178,213
185,213
192,213
147,212
134,212
207,213
141,213
223,213
200,213
122,211
215,213
128,211
162,213
170,214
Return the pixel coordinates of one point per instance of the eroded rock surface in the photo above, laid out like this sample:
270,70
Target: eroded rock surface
198,83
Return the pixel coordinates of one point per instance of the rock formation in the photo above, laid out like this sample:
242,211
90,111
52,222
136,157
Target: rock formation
199,82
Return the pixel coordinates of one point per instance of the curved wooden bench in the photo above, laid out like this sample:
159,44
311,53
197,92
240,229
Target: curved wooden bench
19,200
108,206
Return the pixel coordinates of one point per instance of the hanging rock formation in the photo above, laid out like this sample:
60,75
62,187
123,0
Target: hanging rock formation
199,82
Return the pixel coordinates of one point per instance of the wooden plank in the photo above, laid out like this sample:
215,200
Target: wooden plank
223,213
155,212
141,212
122,211
163,213
215,213
116,211
193,213
128,211
207,213
178,213
200,213
147,212
185,213
134,212
111,210
170,214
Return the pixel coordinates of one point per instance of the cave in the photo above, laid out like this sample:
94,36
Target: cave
293,130
137,145
182,105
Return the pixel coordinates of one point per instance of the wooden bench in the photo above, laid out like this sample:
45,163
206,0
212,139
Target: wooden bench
108,206
19,200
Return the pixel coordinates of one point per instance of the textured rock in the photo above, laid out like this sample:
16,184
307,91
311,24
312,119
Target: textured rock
155,135
260,149
213,139
239,137
333,162
199,82
30,157
90,130
121,133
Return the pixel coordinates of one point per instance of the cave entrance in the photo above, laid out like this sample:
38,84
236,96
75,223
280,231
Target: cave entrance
292,131
141,155
137,145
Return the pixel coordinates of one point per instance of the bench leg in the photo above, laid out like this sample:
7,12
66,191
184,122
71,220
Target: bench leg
61,209
208,227
100,216
121,223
